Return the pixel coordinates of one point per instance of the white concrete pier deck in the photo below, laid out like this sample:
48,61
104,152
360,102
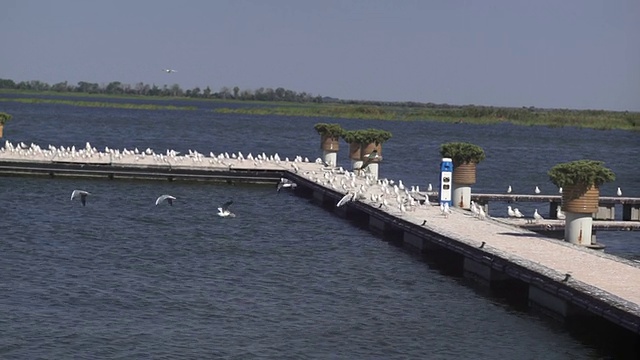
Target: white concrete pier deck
610,278
89,162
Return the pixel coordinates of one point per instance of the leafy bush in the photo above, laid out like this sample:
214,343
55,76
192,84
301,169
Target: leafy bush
462,152
373,136
582,173
4,117
330,130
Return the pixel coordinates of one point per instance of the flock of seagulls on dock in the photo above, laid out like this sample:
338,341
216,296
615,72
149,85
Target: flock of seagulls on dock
91,154
382,193
537,190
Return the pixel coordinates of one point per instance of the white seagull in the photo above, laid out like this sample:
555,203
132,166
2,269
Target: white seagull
509,190
619,192
162,198
168,71
82,194
518,213
537,217
224,211
510,211
537,190
285,183
345,199
559,214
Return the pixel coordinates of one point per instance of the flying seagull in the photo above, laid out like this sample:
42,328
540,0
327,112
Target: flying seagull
369,159
162,198
82,194
285,183
168,71
345,199
224,211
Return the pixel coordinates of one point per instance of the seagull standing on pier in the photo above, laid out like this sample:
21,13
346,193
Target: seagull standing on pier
537,190
518,213
81,194
619,192
510,211
537,217
224,211
162,198
509,190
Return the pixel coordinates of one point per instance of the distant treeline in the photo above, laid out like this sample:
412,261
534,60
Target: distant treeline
142,89
309,105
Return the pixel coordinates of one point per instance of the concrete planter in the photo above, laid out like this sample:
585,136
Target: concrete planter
464,174
367,149
355,151
328,143
578,201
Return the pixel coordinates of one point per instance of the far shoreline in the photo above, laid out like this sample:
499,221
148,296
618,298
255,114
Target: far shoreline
467,114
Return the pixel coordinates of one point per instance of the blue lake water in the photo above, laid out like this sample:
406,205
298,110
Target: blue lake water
122,278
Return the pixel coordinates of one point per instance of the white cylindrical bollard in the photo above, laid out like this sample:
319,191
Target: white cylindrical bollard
356,164
372,170
461,196
330,157
578,228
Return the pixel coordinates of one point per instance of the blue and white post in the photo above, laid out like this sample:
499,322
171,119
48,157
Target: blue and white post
446,174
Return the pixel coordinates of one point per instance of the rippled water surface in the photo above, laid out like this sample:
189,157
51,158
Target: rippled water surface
122,278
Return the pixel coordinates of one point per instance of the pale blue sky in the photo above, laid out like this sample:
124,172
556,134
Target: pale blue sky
543,53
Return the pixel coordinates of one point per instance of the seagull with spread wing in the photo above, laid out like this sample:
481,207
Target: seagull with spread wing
162,198
224,211
81,194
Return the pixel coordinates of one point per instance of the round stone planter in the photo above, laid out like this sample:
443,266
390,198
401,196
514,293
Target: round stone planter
464,174
328,143
577,200
367,149
355,151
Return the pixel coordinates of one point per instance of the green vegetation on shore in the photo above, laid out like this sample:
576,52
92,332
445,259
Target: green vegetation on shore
284,102
99,104
595,119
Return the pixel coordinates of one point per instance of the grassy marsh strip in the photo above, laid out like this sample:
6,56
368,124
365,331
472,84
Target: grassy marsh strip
99,104
594,119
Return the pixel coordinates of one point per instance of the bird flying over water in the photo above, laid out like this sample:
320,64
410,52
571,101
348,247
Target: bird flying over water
285,183
162,198
81,194
224,211
168,71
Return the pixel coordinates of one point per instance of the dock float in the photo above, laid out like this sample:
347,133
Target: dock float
563,280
